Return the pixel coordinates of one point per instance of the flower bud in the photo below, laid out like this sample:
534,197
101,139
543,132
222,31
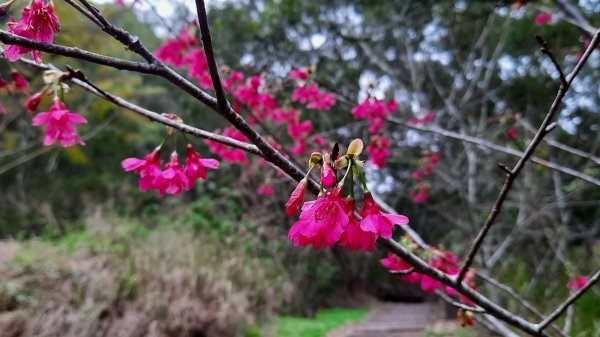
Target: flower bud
355,148
295,202
316,158
33,102
327,175
340,163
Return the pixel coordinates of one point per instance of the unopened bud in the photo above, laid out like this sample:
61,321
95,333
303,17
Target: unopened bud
316,159
340,163
355,148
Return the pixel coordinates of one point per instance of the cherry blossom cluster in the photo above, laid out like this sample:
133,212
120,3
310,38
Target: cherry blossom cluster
37,22
332,218
425,166
174,178
59,123
444,261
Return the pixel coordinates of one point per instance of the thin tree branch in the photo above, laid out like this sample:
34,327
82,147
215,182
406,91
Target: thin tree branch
210,56
548,52
574,297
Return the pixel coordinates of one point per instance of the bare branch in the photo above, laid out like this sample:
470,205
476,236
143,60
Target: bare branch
548,52
510,177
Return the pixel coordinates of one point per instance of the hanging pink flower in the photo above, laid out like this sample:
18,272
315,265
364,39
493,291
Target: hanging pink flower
293,205
543,18
321,222
148,169
354,237
578,283
196,167
39,23
33,102
172,180
20,83
60,125
375,221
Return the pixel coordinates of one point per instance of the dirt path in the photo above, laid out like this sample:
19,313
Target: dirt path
393,320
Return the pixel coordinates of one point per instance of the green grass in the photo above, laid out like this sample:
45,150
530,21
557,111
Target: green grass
318,326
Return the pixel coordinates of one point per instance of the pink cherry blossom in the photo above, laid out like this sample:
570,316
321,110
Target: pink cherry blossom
543,18
313,98
512,133
420,193
417,175
321,222
395,263
148,169
196,167
354,237
375,221
299,74
20,83
375,111
60,125
39,23
379,150
175,51
225,152
578,282
266,189
172,180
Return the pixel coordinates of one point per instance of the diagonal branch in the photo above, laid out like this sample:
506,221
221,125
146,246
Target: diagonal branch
544,128
561,308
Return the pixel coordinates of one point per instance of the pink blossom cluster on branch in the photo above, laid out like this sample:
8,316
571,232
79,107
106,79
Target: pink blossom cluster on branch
332,218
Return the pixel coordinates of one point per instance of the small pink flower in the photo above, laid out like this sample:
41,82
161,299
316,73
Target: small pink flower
3,109
148,169
60,125
229,154
293,205
266,189
543,18
512,133
578,283
299,74
33,102
321,141
196,167
379,150
375,221
321,222
417,175
172,180
38,22
20,83
375,111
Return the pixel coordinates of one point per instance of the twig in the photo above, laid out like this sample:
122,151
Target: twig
548,52
561,308
402,272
